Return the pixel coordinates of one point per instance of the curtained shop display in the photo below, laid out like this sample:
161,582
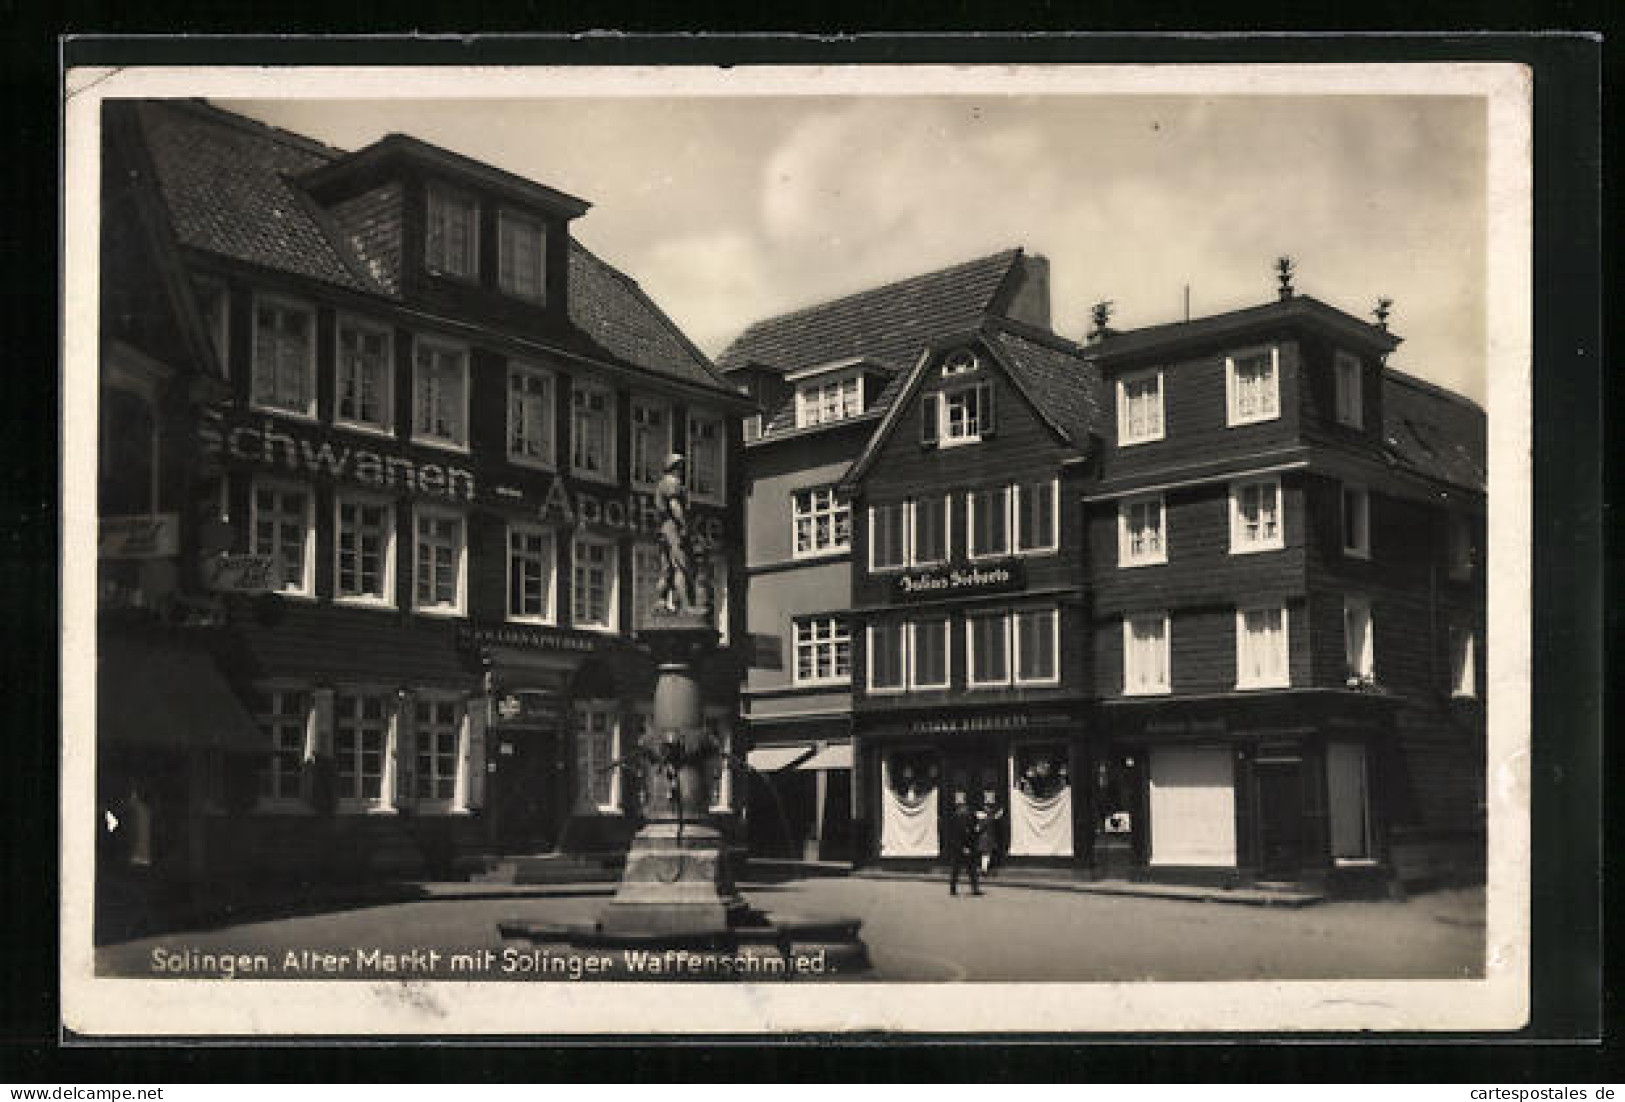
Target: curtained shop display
909,806
1040,802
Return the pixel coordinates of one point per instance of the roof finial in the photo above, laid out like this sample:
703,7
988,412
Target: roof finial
1385,306
1285,266
1101,314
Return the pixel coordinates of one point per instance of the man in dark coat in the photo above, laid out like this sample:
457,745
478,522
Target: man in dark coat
964,845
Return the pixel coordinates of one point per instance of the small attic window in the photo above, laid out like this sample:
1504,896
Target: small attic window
960,362
452,234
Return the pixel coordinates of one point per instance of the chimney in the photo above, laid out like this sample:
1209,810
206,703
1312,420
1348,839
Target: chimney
1029,298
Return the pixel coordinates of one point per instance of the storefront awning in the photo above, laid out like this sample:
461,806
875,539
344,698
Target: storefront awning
164,695
770,759
830,757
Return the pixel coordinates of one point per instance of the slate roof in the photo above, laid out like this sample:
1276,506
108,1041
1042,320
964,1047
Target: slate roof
1063,384
890,323
1434,432
228,184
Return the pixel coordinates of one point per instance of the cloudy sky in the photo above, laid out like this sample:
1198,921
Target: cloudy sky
730,209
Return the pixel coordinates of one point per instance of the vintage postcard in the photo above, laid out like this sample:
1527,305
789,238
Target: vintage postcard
678,550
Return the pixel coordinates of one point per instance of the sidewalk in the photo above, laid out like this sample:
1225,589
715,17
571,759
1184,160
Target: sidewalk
1023,878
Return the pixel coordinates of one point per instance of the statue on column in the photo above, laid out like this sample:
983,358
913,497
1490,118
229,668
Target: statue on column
676,589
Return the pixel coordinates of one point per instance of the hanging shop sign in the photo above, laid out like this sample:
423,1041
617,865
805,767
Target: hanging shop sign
229,573
150,536
960,581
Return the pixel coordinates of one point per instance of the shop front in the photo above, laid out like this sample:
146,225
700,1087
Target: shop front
798,791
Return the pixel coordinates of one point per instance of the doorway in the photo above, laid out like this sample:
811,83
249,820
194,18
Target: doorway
526,796
1280,817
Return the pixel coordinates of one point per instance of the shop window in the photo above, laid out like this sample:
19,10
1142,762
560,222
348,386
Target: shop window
365,550
928,653
1255,516
530,415
1040,801
1357,641
1261,648
1141,532
592,436
283,520
532,564
1037,638
363,369
707,463
989,522
1350,407
284,718
1356,502
441,557
1036,507
928,531
886,646
651,440
521,256
284,367
822,521
987,636
452,239
1146,646
909,784
826,400
888,526
598,725
1253,386
440,393
823,651
1139,408
1463,662
437,730
361,723
595,584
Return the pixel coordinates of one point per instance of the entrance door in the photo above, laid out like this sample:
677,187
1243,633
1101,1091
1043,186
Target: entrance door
526,794
1280,818
984,777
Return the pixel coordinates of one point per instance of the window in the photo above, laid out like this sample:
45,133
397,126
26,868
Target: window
1357,640
599,728
989,522
967,414
521,256
530,415
1037,637
887,529
753,427
1255,516
823,522
1035,507
452,234
929,531
1350,404
1139,408
592,432
284,371
283,715
361,723
719,725
1463,553
1252,386
531,566
1356,522
1261,648
1463,662
706,465
365,549
823,651
437,731
928,653
1145,655
651,440
962,362
439,546
826,400
648,569
284,521
363,370
1141,532
987,638
886,656
440,387
595,582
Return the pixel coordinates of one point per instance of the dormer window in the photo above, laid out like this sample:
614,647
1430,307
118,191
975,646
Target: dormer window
829,399
451,234
962,362
521,256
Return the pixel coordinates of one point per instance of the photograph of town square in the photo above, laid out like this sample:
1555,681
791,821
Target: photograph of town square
934,539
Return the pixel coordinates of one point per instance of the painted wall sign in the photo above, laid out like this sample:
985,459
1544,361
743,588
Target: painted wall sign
1185,727
636,512
1015,721
960,581
150,536
527,637
228,573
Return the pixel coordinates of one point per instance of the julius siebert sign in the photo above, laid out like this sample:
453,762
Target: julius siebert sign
960,581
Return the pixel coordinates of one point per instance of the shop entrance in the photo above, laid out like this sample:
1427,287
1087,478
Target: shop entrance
1280,817
526,797
984,778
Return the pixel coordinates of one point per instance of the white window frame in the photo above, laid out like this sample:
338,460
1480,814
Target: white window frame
971,681
456,607
813,399
1016,655
1361,667
646,587
385,800
392,533
551,554
869,658
902,563
308,551
1126,558
1134,684
913,556
656,452
827,631
1360,547
384,425
1017,498
289,305
579,389
521,222
1124,381
1463,662
267,721
1006,494
610,708
1281,680
821,502
1233,416
695,420
612,611
945,439
548,460
912,649
440,193
439,805
961,361
420,435
1349,390
1239,544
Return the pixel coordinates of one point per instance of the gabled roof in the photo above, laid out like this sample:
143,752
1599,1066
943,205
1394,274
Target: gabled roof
889,323
1432,431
